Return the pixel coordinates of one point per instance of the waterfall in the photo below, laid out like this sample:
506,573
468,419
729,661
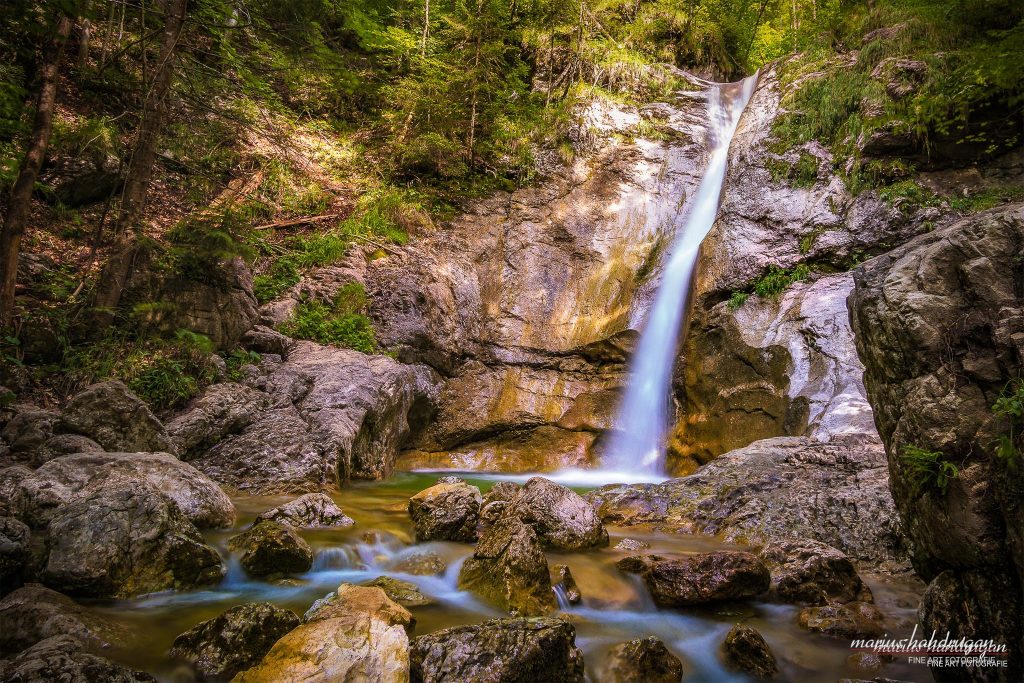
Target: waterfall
637,445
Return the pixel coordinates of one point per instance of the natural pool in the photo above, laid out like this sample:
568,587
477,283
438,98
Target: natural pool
615,606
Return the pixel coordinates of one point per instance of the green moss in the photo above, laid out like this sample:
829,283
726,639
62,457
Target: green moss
986,198
776,280
737,300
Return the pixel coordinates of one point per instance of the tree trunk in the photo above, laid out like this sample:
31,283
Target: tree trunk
426,28
140,171
21,193
471,137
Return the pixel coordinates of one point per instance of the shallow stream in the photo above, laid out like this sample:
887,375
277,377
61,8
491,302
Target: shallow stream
615,606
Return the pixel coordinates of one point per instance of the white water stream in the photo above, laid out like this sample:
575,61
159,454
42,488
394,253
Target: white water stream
636,448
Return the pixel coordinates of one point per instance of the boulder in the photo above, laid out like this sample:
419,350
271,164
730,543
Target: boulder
112,416
508,569
446,512
60,658
496,500
567,584
233,641
745,650
263,339
631,545
222,410
782,488
14,552
701,579
812,573
852,620
420,564
562,518
60,481
10,482
939,325
643,660
313,510
272,548
499,651
359,636
27,430
138,542
405,593
34,613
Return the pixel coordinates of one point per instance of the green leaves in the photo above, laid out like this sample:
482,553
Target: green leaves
927,470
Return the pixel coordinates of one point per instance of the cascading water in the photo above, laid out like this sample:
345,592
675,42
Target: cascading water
637,446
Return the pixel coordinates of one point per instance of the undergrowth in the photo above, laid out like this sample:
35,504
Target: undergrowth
342,323
927,470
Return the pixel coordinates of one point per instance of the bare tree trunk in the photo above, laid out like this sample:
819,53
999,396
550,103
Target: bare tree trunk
471,136
21,193
426,28
140,171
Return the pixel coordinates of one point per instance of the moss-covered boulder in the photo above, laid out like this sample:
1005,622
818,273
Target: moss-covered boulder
272,548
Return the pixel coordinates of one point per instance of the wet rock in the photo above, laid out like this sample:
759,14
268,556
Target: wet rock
313,510
643,660
446,512
359,636
812,573
139,542
405,593
114,417
60,658
272,548
701,579
14,552
222,410
631,545
783,488
451,479
59,481
852,620
508,569
568,584
233,641
745,650
500,650
420,564
561,517
544,449
34,613
940,324
496,500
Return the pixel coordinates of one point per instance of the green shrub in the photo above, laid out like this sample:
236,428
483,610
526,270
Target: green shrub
776,280
1010,407
737,300
238,359
926,470
341,324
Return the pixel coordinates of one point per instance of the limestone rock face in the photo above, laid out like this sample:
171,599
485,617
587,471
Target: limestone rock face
138,540
783,488
60,658
745,650
499,651
223,410
509,569
940,328
331,415
812,573
313,510
58,482
446,512
561,517
360,636
114,417
233,641
34,613
644,660
701,579
270,547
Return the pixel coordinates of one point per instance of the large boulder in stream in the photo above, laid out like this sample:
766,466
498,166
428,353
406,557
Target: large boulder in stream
233,641
783,488
42,494
940,328
112,416
446,512
358,636
61,658
138,541
562,518
508,569
812,573
700,579
270,547
745,650
499,651
34,613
